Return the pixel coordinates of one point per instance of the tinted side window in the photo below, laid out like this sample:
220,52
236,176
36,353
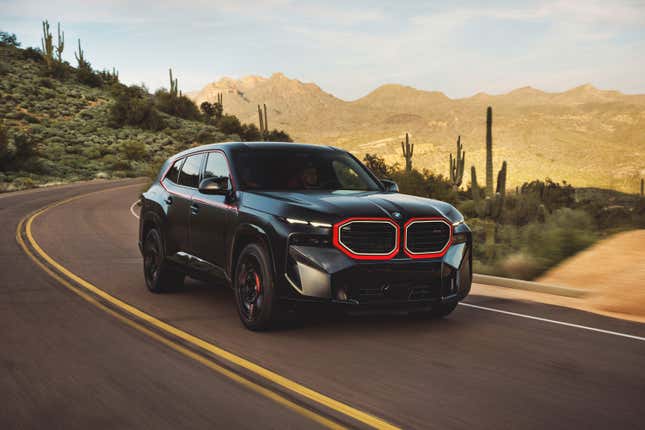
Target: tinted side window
189,175
173,172
216,166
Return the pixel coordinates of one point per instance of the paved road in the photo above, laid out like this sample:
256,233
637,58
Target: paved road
66,362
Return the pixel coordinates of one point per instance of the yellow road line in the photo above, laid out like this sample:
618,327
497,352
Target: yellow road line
267,374
181,349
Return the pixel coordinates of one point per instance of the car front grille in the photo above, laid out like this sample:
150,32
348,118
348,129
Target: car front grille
427,236
369,237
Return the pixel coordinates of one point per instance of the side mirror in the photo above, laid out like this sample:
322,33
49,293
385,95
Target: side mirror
390,186
217,185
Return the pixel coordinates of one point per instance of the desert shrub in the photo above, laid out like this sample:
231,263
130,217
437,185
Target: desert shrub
564,233
4,69
133,150
378,166
9,39
5,151
250,133
424,184
276,135
179,106
32,54
133,106
85,75
230,124
521,266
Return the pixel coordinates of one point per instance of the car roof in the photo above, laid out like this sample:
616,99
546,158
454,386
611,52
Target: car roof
227,146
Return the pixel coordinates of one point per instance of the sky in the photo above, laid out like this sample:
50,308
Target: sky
349,48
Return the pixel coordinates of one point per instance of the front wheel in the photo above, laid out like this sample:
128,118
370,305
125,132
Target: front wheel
254,288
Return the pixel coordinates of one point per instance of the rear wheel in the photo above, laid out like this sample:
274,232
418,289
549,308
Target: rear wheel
158,273
254,289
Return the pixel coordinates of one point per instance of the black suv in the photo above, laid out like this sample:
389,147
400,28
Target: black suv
286,223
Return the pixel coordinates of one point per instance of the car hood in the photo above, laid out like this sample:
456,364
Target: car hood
338,205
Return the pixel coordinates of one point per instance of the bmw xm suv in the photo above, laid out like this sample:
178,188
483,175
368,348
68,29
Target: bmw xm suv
286,223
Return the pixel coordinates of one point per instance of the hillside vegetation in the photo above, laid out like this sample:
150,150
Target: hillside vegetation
62,123
585,136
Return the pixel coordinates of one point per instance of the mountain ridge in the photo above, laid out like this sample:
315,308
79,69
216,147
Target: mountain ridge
579,135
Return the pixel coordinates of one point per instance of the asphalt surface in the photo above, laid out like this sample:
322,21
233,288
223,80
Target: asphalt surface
65,363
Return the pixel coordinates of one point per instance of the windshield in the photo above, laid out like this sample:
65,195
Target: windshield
300,169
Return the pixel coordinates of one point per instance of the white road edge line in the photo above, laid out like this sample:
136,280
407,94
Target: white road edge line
132,209
531,317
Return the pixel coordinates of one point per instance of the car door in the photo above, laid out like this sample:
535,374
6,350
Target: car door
181,191
212,216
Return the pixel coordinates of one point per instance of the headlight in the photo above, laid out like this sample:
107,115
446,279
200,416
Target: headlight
311,223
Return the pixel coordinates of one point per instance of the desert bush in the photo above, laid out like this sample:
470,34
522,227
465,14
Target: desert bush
133,106
9,39
86,76
179,106
133,150
276,135
378,166
521,266
565,232
230,124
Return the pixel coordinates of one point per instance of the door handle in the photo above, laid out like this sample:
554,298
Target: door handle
168,200
194,209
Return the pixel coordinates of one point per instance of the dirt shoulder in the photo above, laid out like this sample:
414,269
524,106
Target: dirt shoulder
612,272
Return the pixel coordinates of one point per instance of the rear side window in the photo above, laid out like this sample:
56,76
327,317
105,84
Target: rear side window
189,175
173,173
216,166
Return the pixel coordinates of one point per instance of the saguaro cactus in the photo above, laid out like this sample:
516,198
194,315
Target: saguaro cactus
47,45
489,151
60,46
173,85
408,151
457,166
264,128
266,120
493,204
642,187
80,56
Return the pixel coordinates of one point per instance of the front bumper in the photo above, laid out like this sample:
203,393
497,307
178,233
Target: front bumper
314,274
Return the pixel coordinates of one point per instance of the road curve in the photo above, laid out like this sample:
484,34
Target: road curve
69,363
63,364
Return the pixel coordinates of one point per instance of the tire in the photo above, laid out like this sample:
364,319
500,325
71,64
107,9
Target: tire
159,275
254,288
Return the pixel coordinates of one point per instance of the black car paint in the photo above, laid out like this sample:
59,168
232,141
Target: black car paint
203,232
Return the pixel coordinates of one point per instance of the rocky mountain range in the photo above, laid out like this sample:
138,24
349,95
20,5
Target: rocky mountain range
585,136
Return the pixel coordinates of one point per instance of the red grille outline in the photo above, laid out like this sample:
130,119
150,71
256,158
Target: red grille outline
337,243
437,254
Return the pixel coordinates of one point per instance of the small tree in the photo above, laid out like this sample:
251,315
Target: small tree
9,39
378,166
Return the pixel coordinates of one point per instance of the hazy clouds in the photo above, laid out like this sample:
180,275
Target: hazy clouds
458,48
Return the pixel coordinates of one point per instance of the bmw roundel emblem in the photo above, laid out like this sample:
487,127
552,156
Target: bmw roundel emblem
396,215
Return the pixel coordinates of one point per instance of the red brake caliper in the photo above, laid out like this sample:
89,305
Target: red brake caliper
258,289
258,286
